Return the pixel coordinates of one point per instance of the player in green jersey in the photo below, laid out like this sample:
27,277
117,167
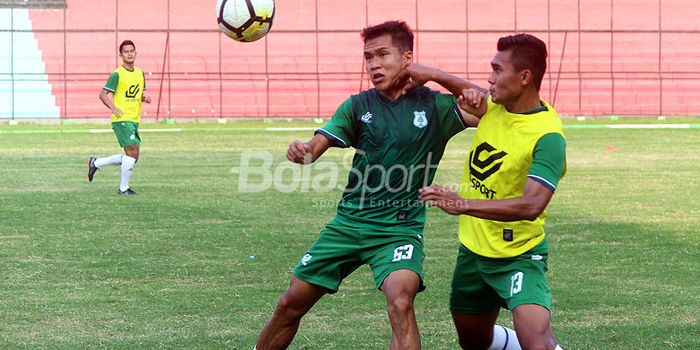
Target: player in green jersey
399,135
516,161
123,95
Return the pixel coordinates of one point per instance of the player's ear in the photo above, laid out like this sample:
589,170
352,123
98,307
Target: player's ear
408,56
525,77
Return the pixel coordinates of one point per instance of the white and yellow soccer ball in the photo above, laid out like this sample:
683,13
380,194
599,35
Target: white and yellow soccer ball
245,20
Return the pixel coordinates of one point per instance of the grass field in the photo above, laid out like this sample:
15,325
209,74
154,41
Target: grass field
192,263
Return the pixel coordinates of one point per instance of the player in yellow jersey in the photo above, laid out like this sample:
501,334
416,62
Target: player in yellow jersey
517,158
126,86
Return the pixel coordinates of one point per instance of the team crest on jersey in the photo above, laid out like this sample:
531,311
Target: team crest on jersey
366,118
419,119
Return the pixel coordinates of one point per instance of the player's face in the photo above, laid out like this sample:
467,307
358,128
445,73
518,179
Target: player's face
128,54
506,82
384,61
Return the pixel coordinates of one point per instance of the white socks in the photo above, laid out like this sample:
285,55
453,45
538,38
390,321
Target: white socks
504,338
115,159
127,168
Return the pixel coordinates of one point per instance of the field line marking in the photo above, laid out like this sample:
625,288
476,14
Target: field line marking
161,130
291,129
634,126
650,126
279,129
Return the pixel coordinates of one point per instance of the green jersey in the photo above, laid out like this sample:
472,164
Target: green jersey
398,147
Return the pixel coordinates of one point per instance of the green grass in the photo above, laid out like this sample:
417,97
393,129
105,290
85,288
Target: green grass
83,268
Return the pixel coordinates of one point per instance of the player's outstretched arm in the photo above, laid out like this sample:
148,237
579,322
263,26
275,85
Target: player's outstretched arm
526,207
307,152
417,74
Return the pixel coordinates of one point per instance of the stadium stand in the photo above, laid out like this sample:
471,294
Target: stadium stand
600,62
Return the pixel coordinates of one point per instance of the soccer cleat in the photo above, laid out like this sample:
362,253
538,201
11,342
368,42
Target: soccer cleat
92,168
128,192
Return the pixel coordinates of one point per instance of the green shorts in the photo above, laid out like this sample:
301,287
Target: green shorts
339,250
127,133
481,284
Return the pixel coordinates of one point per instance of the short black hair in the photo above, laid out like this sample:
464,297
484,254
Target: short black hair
401,34
124,43
526,52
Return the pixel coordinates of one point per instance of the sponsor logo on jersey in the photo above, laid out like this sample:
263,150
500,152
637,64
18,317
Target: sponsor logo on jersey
484,162
133,91
482,166
366,118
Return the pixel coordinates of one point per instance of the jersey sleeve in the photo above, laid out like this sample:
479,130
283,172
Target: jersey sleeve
111,84
449,113
340,129
549,160
144,80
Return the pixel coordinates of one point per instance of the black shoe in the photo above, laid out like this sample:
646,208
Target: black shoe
92,168
128,192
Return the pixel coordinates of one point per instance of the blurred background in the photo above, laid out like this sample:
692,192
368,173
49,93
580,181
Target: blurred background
621,57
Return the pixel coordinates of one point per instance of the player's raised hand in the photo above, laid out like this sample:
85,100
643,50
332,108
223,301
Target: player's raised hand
473,101
413,75
146,99
299,152
444,198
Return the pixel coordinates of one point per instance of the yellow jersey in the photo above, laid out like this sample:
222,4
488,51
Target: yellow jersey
497,168
127,87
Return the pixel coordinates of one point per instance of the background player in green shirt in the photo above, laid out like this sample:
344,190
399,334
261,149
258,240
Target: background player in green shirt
399,137
516,161
123,95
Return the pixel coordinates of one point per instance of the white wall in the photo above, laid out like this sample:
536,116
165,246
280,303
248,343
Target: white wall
32,96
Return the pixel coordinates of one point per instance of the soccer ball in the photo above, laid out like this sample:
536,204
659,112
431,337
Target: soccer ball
245,20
